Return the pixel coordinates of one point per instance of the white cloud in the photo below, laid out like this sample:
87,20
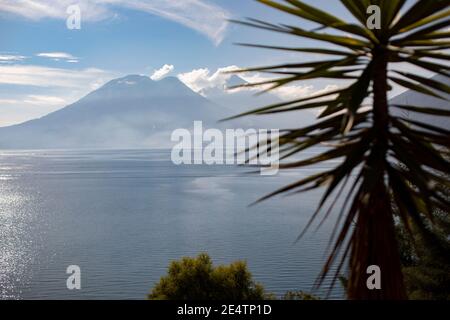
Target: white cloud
200,15
18,109
36,100
40,100
58,56
9,58
162,72
8,101
202,80
197,79
39,90
40,9
41,76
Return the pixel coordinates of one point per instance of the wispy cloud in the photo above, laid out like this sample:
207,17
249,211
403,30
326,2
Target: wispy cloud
36,100
58,56
202,80
41,76
34,90
200,15
18,108
40,9
162,72
9,101
9,58
40,100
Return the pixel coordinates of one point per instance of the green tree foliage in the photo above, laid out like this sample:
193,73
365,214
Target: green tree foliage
198,279
426,270
427,273
299,295
385,157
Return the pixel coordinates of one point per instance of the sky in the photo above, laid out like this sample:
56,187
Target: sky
45,66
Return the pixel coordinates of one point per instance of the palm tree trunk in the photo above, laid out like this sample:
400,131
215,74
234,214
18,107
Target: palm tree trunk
374,240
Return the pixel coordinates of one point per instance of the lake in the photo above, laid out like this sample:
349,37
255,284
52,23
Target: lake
122,216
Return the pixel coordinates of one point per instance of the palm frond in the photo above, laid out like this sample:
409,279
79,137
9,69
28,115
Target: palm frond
396,159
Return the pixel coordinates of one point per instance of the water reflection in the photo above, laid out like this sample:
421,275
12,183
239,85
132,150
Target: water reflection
17,249
124,215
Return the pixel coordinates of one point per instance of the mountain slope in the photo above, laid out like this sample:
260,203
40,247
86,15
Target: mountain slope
239,100
129,112
414,98
137,112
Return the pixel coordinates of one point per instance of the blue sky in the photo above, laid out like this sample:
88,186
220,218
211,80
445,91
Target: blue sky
45,66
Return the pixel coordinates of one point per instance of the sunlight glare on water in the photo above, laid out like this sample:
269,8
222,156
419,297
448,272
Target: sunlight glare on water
122,216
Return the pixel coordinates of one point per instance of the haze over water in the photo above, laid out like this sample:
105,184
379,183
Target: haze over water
122,216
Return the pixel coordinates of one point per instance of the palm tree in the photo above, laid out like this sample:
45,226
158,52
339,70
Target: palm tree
394,159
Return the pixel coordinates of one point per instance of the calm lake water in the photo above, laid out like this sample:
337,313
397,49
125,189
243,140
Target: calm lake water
122,216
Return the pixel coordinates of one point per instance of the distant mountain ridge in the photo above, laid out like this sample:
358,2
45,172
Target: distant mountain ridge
133,111
414,98
137,112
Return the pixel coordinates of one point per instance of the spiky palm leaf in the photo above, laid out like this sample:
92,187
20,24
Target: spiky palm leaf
393,158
